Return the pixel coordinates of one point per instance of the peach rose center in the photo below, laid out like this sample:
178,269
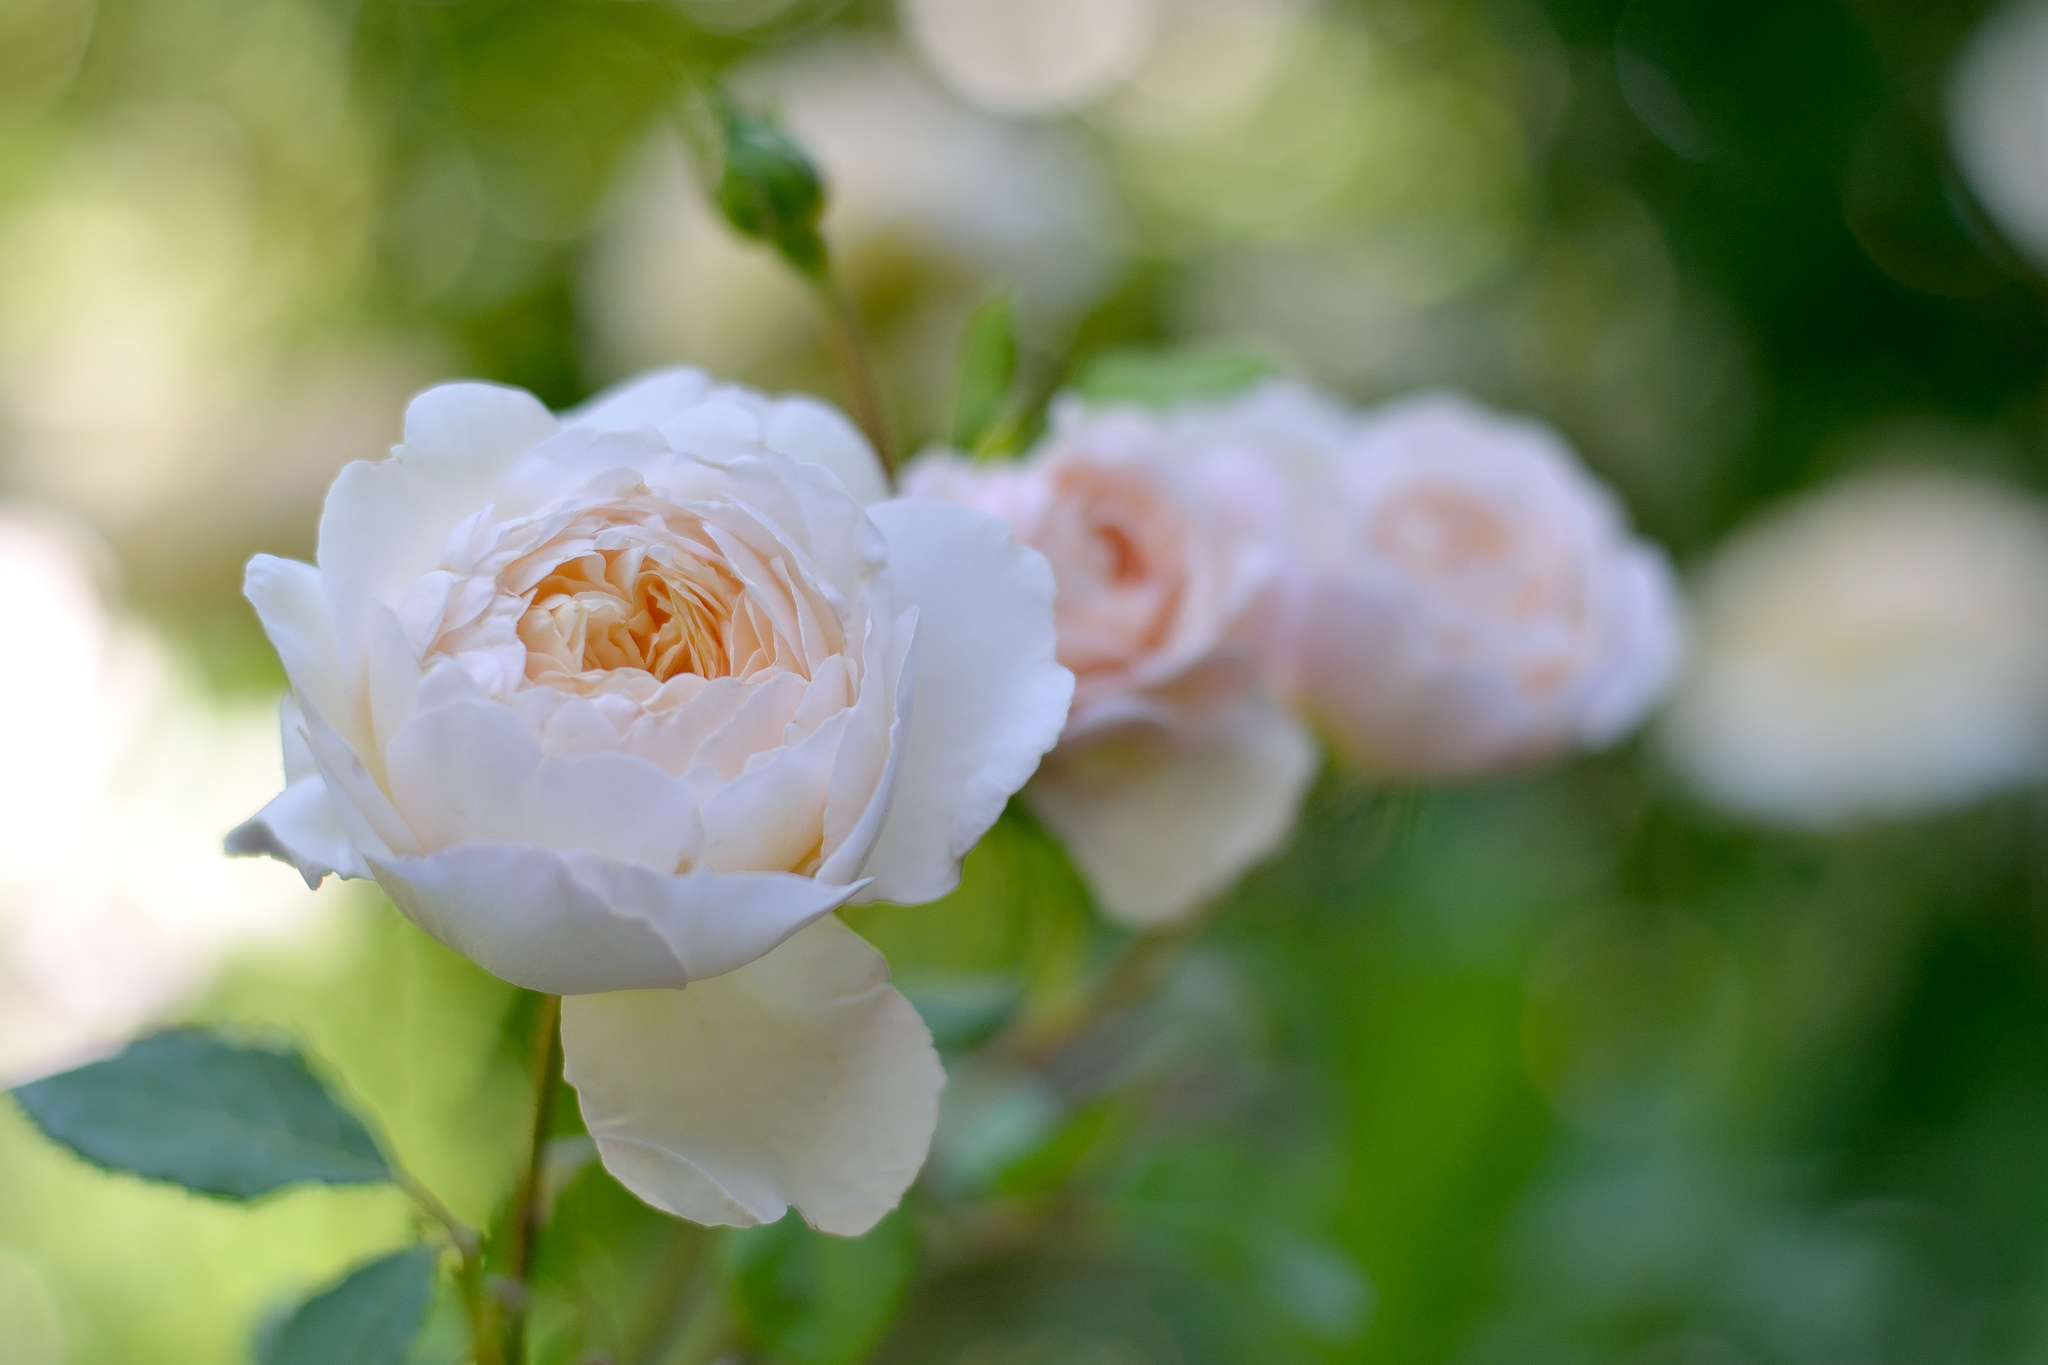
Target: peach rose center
641,607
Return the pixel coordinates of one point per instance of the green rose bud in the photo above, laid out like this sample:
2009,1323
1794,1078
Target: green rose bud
768,188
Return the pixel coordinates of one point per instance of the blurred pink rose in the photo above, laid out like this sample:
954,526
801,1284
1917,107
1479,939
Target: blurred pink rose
1177,768
1467,597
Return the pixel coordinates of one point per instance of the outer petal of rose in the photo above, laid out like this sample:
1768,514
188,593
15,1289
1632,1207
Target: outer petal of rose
575,923
289,602
646,400
816,433
1388,710
802,1079
990,700
1648,643
385,521
301,826
1157,826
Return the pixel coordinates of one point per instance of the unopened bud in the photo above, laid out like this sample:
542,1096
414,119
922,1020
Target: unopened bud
768,188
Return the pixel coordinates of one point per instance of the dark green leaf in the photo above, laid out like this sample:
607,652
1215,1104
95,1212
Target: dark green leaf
806,1298
217,1117
988,369
370,1318
1159,377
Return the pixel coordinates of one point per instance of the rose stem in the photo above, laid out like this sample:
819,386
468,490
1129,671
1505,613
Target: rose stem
525,1220
848,342
470,1246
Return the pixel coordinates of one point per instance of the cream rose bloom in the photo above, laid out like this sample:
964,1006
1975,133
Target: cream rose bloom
1879,648
1177,769
623,705
1467,599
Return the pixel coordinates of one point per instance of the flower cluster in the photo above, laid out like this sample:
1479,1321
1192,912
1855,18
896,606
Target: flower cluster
1438,590
624,704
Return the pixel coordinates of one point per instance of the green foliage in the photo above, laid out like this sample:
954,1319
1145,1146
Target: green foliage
220,1118
1161,376
371,1318
988,372
805,1298
613,1275
1016,930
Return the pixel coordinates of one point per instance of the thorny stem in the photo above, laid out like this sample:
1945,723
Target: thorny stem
848,342
524,1225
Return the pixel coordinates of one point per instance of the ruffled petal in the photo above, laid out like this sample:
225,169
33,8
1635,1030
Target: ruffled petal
990,699
802,1079
300,826
575,923
386,521
1158,825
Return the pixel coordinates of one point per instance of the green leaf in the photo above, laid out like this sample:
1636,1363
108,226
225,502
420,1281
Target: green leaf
988,369
370,1318
217,1117
806,1298
764,183
1168,376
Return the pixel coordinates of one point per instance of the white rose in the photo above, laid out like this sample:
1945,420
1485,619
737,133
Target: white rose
1469,599
1878,648
629,702
1177,770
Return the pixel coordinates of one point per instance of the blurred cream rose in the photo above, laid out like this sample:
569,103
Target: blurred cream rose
1467,598
623,705
1998,121
1177,769
1879,648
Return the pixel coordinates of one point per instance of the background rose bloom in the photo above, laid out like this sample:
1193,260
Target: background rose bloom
631,701
1469,599
1880,648
1177,769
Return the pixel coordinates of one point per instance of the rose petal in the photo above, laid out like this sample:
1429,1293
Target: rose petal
385,521
1648,644
471,771
801,1079
812,432
1157,825
646,400
288,601
990,699
300,826
575,923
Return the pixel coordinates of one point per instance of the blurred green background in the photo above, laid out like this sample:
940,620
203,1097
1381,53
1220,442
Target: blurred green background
1556,1070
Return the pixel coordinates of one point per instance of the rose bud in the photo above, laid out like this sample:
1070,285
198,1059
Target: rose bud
1177,769
623,705
1879,648
1467,599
